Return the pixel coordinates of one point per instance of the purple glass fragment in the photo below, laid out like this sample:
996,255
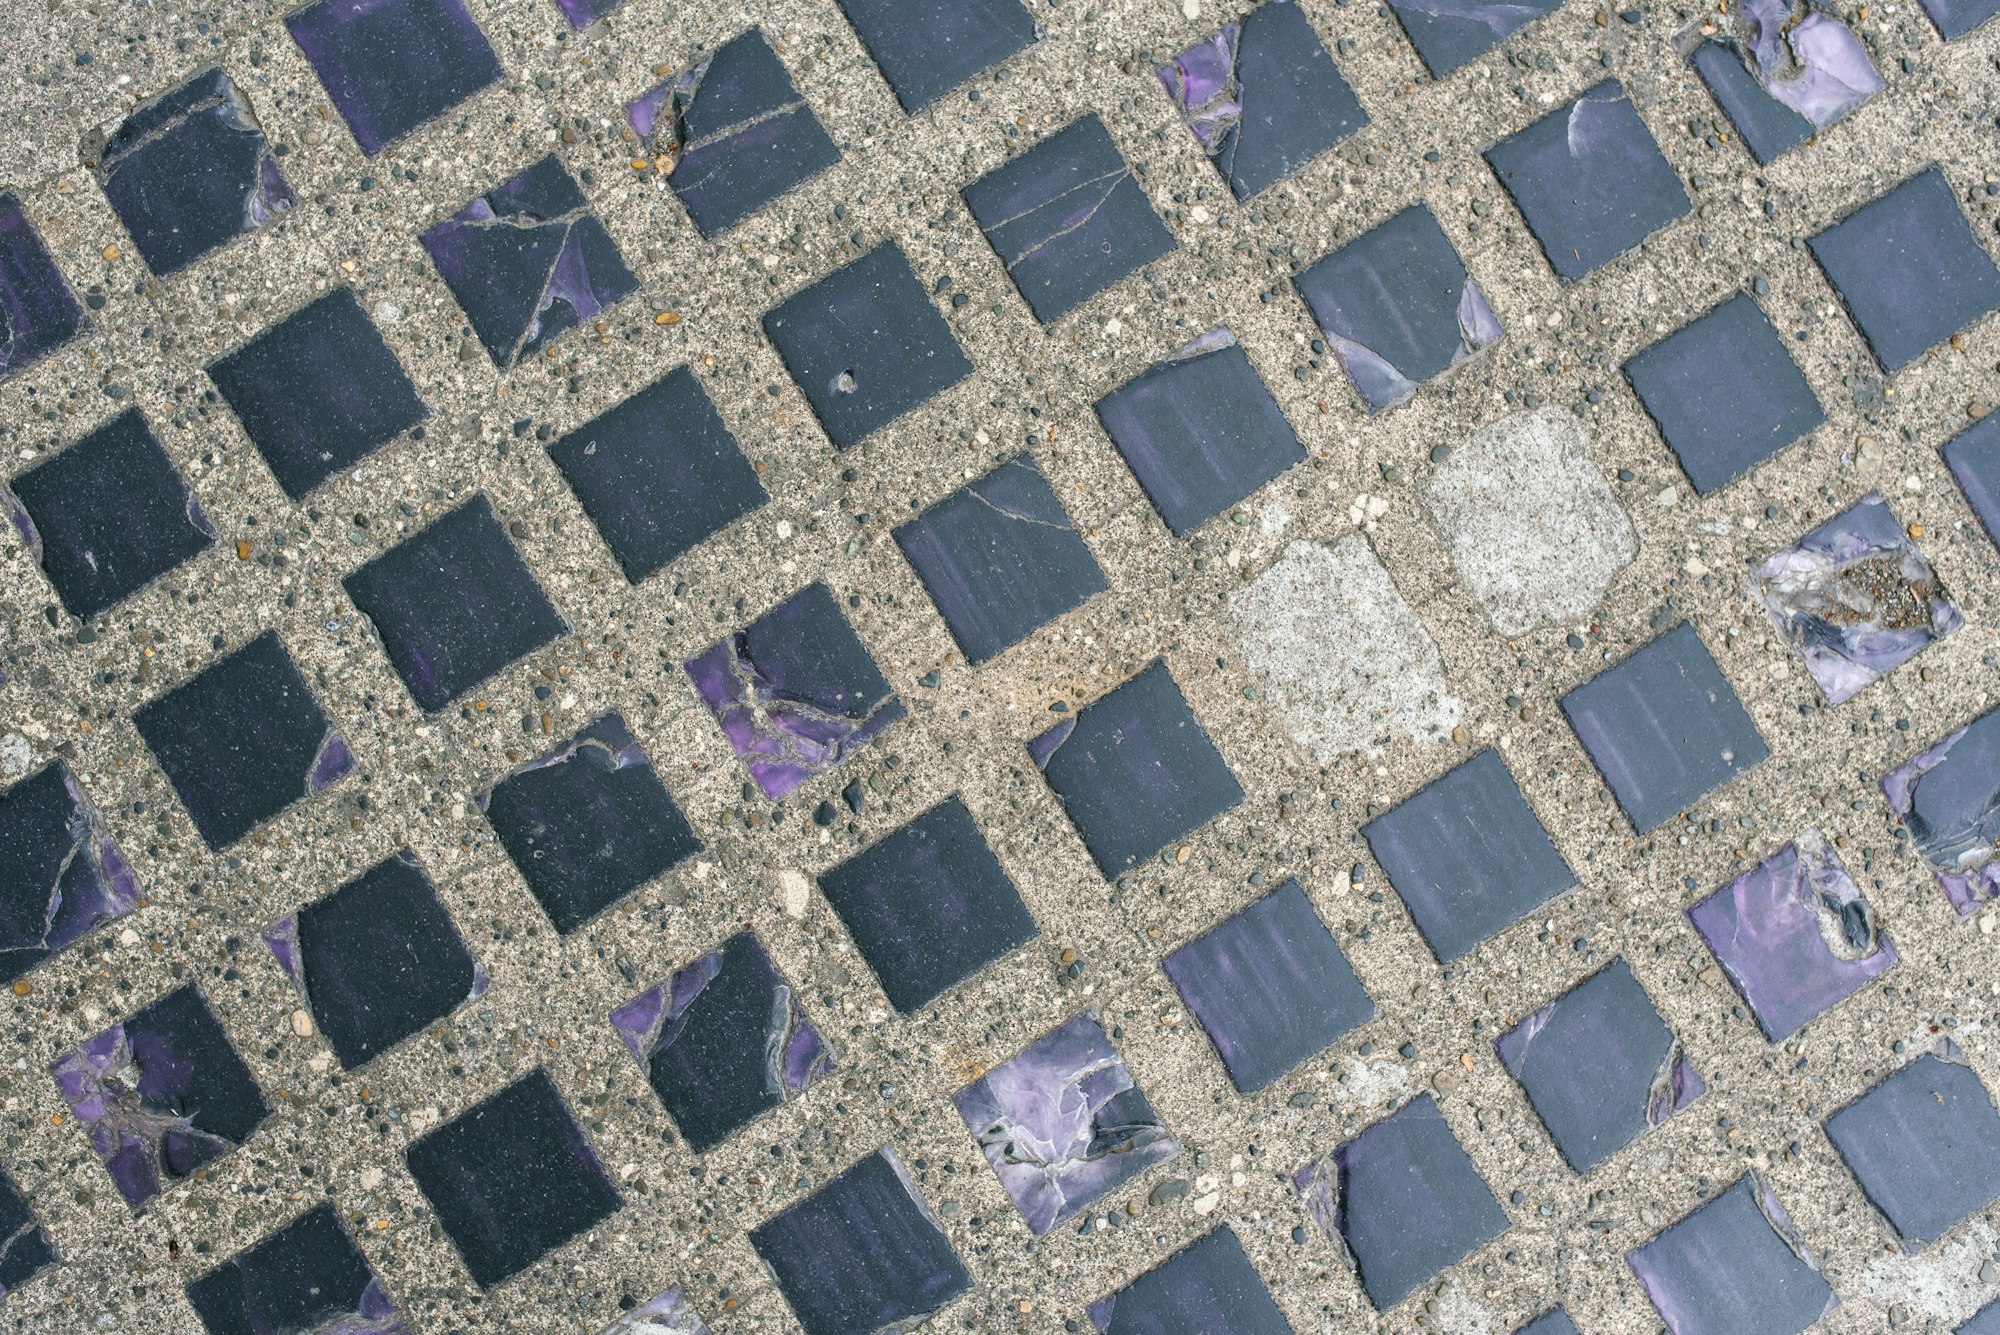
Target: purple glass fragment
1451,34
926,48
25,1251
663,1314
1207,1287
391,65
61,875
1924,1144
1736,1266
38,312
1955,18
1973,456
582,13
308,1278
1948,797
1801,57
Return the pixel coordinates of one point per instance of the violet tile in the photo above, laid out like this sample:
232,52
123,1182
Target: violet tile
242,740
1451,34
25,1251
107,516
391,65
1397,307
1208,1287
1955,18
1000,559
454,604
1262,97
1067,218
1063,1124
861,1255
795,691
1269,986
1590,181
512,1178
928,905
723,1041
1724,393
1986,1321
1784,70
1735,1266
926,48
160,1094
1948,797
61,874
582,13
1134,770
1924,1144
528,261
658,474
663,1314
1664,728
1555,1321
38,312
306,1277
318,392
866,345
1909,269
1973,456
1468,856
588,823
1200,431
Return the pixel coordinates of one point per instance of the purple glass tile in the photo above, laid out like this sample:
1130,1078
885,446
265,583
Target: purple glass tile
528,261
588,823
38,312
1724,393
1909,268
1200,431
1974,458
1208,1287
1269,986
1398,307
582,13
1451,34
1063,1124
1067,218
1955,18
862,1254
391,65
663,1314
1134,770
242,740
1468,856
795,691
61,875
1948,797
928,905
1590,181
1262,97
318,392
512,1178
1924,1144
1785,70
1599,1066
926,48
306,1277
1986,1321
454,604
107,516
1736,1266
1400,1202
25,1251
1664,728
160,1094
1000,559
723,1041
1555,1321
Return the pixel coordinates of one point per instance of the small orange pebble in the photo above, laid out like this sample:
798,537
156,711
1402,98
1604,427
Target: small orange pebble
110,252
243,549
667,317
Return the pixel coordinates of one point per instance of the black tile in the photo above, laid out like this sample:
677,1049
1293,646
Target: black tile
61,876
305,1277
26,1250
926,48
42,313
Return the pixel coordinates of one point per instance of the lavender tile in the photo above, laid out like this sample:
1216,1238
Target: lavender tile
160,1094
1986,1321
588,823
512,1178
1924,1144
1208,1287
107,516
1664,728
866,345
862,1254
38,312
1948,797
318,392
25,1251
1468,856
664,1314
391,65
928,905
1451,34
61,874
1783,71
582,13
1269,986
1973,456
1955,18
723,1041
454,604
1736,1266
926,48
306,1277
1063,1124
242,740
528,262
1555,1321
1000,559
795,691
1398,307
1590,181
1067,218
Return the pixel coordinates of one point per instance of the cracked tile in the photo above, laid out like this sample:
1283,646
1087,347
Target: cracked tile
1973,456
38,312
25,1251
926,48
1948,797
61,874
664,1314
1451,34
391,65
1783,70
1924,1144
1735,1266
308,1276
1208,1285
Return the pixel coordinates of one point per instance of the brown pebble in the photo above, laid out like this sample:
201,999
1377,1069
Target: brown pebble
667,317
110,252
22,987
1976,410
243,549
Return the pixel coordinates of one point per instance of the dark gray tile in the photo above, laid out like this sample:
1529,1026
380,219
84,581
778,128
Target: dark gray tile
1736,1266
1783,70
1767,126
1955,18
1948,797
1555,1321
1986,1321
926,48
1974,458
391,65
307,1276
1924,1144
37,309
1451,34
25,1250
1208,1287
61,874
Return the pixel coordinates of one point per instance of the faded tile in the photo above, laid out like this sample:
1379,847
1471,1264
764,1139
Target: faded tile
1948,797
1973,456
1555,1321
38,312
61,874
308,1276
391,65
1451,34
664,1314
1924,1144
1735,1266
25,1251
926,48
1784,70
1955,18
1207,1286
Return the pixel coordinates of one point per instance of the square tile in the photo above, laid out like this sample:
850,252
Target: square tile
61,874
1973,456
26,1251
512,1178
795,691
108,515
160,1094
1397,307
1555,1321
1948,797
1781,76
318,392
1468,856
926,48
1000,559
1955,18
1924,1144
307,1276
242,740
1909,269
391,65
1270,987
1664,728
1208,1285
928,905
1590,181
1736,1266
1134,770
659,474
1724,393
454,604
663,1314
1063,1124
588,823
41,312
866,345
1067,218
1451,34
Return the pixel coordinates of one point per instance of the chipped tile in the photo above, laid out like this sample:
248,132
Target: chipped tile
1451,34
663,1314
1208,1285
1924,1144
1948,797
926,48
61,874
1735,1266
38,312
391,65
25,1250
306,1276
1973,456
1783,70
